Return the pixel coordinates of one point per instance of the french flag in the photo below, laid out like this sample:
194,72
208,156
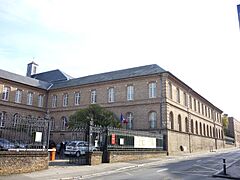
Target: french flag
238,10
122,119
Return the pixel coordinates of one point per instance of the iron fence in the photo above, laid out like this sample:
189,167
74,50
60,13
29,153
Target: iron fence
24,133
121,139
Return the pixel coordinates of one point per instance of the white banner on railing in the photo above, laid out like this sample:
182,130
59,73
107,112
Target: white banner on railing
144,142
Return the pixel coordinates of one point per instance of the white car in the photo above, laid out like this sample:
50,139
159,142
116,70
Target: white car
78,148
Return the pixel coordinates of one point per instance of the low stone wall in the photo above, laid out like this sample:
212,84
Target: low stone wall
95,158
13,162
123,156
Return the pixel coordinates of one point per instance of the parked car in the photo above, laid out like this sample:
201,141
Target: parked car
78,148
19,144
6,144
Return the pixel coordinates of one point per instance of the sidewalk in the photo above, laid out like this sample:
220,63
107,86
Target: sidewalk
62,170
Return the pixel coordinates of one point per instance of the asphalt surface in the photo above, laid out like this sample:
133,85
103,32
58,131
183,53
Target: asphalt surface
188,166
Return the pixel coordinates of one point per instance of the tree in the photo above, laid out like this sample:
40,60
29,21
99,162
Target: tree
225,124
99,115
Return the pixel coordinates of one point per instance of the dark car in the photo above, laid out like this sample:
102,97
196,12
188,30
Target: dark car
6,144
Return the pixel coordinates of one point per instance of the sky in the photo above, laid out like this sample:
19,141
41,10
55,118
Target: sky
196,40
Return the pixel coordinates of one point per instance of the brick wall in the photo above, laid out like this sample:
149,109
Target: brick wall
12,162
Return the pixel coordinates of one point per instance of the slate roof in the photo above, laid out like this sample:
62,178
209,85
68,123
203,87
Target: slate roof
24,80
114,75
52,76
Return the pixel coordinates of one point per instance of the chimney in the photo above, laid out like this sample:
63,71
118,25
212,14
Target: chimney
31,69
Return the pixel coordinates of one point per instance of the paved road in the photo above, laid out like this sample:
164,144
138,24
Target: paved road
189,168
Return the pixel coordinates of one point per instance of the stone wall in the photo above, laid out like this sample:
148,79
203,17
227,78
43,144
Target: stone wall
191,143
123,156
12,162
95,158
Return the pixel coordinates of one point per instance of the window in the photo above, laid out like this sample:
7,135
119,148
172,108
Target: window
179,123
171,120
65,100
200,126
186,125
152,88
169,90
111,95
153,120
130,92
185,100
16,119
195,105
40,100
64,123
93,96
77,98
178,95
210,131
29,98
18,96
204,130
202,109
54,101
192,128
129,120
199,107
190,101
2,118
196,127
52,121
5,93
206,111
207,131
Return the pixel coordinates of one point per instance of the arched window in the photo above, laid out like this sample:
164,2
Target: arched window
207,131
204,130
210,131
64,123
179,123
52,123
196,127
200,126
153,119
129,120
170,90
16,119
186,125
3,116
171,120
192,128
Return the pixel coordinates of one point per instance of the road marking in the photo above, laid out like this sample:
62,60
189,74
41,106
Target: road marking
161,170
205,167
178,172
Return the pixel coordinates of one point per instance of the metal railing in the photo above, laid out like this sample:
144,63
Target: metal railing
24,134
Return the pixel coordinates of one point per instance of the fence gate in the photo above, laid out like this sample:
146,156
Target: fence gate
85,140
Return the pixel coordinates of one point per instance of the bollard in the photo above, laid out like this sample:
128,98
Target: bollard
224,167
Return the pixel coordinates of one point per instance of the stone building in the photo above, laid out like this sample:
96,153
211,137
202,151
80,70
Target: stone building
151,98
234,130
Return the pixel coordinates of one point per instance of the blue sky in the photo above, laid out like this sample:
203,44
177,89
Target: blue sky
196,40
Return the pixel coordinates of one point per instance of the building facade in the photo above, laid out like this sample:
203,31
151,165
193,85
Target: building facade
234,130
151,98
